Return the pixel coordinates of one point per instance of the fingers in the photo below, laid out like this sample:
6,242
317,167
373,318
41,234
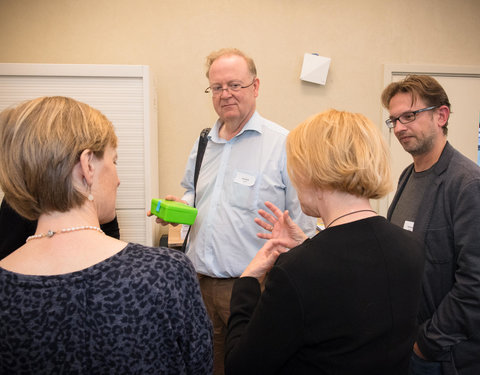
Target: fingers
260,222
171,198
161,222
288,219
270,220
174,198
264,236
263,224
276,211
158,220
264,259
269,217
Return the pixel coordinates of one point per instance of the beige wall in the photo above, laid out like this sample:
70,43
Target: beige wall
174,36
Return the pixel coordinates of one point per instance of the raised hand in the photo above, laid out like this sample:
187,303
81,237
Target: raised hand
280,225
265,258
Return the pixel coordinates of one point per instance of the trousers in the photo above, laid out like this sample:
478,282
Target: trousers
216,295
418,366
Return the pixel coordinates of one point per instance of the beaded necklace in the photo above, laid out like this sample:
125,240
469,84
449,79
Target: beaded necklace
51,233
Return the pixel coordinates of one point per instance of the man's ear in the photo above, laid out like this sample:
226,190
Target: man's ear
443,115
256,87
86,166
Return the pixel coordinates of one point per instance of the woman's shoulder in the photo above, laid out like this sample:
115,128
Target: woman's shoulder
157,258
341,239
298,256
134,262
382,226
136,249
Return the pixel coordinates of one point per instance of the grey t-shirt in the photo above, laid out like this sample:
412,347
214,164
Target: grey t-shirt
406,210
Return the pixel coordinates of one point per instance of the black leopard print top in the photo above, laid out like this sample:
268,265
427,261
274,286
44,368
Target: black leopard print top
138,312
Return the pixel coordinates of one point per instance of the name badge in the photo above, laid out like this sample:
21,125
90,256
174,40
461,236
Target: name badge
244,179
408,225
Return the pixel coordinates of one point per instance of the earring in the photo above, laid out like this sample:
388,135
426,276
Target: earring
90,196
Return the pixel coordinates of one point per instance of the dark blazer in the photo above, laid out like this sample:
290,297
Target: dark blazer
449,225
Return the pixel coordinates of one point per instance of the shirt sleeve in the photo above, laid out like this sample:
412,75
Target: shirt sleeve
264,330
457,318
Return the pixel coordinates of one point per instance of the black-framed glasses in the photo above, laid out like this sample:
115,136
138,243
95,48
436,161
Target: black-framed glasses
217,90
407,117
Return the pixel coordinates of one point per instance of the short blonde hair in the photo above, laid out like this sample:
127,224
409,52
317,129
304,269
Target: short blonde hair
41,140
231,52
340,151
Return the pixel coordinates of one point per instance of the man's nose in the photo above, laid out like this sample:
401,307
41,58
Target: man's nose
399,127
225,91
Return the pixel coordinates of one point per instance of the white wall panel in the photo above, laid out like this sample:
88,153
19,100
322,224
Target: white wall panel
124,94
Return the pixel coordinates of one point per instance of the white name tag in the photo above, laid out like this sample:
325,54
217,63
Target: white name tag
408,225
244,179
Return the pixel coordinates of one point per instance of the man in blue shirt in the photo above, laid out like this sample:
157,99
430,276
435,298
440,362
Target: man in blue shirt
244,166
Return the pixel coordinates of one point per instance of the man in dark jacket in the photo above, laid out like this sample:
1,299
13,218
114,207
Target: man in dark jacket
438,198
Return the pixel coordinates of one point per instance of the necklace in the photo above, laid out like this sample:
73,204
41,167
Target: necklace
51,233
350,213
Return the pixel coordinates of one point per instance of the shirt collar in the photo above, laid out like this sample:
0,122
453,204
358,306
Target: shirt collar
253,124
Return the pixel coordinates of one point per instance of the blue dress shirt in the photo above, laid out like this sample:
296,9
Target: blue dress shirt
236,178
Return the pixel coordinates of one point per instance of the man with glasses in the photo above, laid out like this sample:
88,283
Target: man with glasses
438,198
244,166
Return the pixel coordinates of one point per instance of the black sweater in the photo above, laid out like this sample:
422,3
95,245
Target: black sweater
343,302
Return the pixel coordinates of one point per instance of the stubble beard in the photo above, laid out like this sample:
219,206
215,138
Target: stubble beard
421,147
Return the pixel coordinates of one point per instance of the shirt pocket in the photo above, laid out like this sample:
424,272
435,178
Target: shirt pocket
244,190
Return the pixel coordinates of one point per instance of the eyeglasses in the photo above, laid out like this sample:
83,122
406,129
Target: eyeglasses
217,90
407,117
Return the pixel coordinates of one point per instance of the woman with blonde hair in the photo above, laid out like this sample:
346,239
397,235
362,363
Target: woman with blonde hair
344,301
73,300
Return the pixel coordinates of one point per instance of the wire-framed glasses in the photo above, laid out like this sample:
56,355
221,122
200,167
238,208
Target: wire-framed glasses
217,90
